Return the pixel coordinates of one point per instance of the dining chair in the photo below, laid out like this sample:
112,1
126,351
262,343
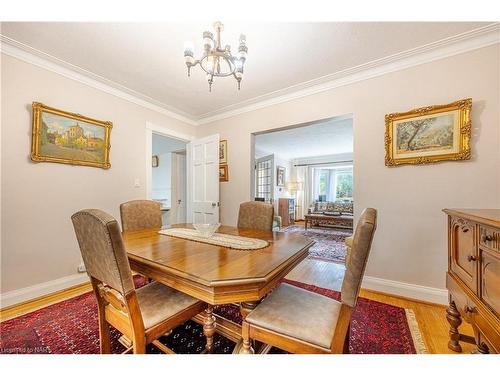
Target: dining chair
141,315
256,215
299,321
140,214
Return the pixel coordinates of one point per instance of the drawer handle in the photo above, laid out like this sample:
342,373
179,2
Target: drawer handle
472,258
470,310
487,238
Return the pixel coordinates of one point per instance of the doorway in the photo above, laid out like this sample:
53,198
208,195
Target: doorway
306,172
168,177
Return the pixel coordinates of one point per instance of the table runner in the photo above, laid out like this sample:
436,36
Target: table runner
219,239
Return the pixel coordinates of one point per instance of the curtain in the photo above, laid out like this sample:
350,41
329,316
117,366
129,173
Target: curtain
304,195
332,188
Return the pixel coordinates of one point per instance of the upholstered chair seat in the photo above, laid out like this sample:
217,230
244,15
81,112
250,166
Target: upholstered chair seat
300,321
297,313
256,215
158,302
140,214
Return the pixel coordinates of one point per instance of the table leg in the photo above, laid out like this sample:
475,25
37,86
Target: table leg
305,224
209,328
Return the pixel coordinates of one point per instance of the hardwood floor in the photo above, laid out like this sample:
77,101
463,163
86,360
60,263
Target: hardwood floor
431,318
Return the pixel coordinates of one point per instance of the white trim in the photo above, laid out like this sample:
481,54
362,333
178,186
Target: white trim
418,292
454,45
31,292
43,60
156,129
451,46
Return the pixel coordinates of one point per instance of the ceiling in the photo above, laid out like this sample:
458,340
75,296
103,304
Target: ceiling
328,137
148,57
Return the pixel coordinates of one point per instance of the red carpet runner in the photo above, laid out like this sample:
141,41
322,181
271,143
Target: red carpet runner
71,327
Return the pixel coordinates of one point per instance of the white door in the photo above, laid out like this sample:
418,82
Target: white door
178,210
203,180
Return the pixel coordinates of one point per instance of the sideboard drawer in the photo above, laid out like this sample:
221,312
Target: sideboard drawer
490,279
463,251
489,237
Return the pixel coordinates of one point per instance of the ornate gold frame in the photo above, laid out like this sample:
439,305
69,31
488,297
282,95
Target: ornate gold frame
223,144
463,106
224,178
38,108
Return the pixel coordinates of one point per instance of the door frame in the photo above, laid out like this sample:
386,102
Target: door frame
151,129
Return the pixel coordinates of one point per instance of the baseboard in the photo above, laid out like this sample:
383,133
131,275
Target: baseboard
412,291
35,291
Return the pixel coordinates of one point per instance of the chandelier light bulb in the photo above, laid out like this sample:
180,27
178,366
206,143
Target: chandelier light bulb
188,49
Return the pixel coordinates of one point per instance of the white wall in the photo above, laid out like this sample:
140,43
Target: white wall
410,242
38,241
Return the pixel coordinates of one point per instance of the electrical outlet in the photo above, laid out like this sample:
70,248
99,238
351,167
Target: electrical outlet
81,268
137,183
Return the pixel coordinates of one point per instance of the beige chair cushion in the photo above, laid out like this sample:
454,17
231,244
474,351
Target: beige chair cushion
298,313
102,249
256,215
358,256
158,302
140,214
348,241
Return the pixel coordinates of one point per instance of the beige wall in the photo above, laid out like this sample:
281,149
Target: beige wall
38,242
410,243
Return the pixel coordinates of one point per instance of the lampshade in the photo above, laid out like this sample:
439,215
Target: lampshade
294,186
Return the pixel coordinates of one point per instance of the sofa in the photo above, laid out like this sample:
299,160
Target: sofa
341,213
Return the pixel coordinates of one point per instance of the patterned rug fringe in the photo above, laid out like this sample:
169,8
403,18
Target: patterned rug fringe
416,334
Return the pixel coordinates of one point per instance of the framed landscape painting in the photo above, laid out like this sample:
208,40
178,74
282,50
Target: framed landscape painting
69,138
429,134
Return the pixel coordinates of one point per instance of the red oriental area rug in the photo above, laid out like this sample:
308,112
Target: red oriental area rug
71,327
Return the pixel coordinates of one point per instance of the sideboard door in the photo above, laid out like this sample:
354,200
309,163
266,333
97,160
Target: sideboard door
463,251
490,281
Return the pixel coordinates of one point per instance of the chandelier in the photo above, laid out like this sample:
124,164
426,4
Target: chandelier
217,61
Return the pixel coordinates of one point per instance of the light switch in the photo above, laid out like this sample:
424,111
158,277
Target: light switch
137,183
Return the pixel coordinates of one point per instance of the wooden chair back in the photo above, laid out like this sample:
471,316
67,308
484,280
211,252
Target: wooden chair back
106,262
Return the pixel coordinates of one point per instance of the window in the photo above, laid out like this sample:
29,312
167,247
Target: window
331,184
343,184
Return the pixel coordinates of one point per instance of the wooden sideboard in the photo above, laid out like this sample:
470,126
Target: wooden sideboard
286,209
473,277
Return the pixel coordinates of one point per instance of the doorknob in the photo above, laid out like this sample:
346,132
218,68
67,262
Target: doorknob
214,204
179,201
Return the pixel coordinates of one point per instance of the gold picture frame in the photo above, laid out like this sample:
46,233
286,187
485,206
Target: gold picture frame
223,152
223,173
69,138
429,134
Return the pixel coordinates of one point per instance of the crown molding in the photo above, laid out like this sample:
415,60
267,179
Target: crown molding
461,43
43,60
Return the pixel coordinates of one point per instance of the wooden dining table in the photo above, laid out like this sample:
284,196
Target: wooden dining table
216,274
